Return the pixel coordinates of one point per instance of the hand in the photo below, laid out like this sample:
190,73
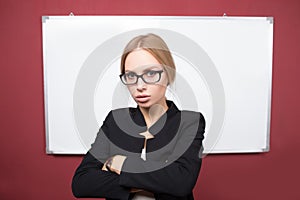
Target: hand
104,168
114,164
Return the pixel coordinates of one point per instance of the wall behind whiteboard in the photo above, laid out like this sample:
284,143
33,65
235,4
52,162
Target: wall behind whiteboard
28,173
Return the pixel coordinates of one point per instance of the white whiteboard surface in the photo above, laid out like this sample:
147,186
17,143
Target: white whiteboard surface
224,70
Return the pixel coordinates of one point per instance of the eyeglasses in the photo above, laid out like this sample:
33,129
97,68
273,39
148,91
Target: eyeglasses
149,77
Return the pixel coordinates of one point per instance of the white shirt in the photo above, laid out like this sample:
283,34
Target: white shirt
143,195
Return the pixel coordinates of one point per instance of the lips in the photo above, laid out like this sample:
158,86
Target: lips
142,98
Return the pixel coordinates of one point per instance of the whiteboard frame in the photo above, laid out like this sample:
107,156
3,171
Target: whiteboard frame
46,18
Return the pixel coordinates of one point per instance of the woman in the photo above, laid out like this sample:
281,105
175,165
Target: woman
149,152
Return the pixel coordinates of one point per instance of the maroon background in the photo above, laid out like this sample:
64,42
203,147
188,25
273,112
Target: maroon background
26,172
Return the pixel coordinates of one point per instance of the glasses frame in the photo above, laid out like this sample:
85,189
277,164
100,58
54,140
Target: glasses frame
141,76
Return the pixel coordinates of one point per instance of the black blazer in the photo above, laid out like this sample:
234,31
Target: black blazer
173,156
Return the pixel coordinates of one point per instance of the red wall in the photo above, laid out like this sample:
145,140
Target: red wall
26,172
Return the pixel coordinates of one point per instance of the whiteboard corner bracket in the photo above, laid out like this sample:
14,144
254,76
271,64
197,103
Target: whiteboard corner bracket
45,18
49,152
270,19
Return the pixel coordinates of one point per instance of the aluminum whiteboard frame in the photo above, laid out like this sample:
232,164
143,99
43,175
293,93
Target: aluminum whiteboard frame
71,17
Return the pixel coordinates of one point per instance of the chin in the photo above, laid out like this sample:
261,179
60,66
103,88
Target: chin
144,105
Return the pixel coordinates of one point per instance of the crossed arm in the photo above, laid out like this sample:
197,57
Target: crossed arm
104,177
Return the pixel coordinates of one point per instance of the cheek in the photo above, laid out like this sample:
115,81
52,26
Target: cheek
158,90
164,80
131,89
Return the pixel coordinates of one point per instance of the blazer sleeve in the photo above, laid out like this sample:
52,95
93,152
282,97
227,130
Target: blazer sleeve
177,178
90,180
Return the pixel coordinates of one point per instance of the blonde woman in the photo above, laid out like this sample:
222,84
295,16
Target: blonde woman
152,151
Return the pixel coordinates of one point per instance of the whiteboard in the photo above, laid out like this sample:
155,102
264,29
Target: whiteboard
224,70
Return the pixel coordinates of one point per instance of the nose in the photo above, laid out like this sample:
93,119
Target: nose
140,85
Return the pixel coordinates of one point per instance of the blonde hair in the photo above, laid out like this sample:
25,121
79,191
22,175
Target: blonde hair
157,47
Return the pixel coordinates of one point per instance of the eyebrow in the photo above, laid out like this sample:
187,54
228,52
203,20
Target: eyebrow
150,67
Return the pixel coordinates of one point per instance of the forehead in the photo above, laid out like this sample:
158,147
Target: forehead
139,59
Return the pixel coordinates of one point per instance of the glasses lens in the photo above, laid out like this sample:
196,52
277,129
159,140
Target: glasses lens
151,76
129,78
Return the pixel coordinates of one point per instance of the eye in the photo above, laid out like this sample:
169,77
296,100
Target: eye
151,73
130,75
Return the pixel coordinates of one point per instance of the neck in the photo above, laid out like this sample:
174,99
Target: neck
153,113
